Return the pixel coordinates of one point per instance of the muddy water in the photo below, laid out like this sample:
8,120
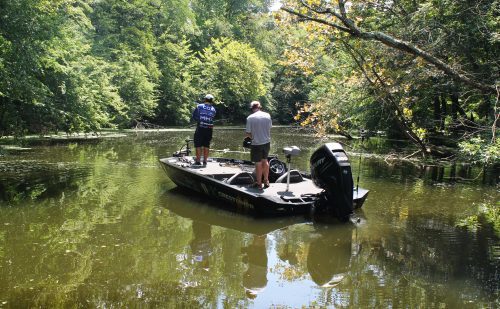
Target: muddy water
100,225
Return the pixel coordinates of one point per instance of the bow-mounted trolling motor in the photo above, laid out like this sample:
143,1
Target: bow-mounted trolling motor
185,149
331,171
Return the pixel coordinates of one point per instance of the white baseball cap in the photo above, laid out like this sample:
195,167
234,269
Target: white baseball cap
209,97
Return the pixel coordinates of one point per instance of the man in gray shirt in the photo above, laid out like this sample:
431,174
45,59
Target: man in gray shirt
258,128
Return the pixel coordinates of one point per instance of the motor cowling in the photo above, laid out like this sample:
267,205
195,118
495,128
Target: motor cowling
331,171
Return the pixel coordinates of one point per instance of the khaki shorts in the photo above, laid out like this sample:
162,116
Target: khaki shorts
259,152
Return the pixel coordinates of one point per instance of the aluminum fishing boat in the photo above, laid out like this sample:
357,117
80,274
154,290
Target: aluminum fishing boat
327,191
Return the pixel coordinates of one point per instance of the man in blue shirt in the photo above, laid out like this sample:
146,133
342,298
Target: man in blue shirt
204,115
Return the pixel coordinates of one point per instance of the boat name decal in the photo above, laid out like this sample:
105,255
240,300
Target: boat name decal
236,200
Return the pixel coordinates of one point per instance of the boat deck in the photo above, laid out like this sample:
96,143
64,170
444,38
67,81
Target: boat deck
224,170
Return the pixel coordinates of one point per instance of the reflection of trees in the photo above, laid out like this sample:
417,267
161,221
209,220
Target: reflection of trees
323,252
103,241
357,268
414,256
292,248
423,265
377,168
32,180
108,239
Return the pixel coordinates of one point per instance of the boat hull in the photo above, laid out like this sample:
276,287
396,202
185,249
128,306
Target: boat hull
274,201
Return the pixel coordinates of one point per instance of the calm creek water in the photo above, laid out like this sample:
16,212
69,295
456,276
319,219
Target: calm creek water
99,224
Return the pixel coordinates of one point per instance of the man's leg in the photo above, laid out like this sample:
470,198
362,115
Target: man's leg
258,172
205,153
265,170
198,154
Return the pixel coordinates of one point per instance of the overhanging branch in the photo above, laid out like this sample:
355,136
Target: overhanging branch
407,47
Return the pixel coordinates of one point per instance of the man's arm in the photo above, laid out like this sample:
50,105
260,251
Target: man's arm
248,129
196,115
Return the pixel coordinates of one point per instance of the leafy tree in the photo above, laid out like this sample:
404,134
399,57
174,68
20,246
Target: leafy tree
233,72
413,84
83,96
225,18
57,85
176,88
25,27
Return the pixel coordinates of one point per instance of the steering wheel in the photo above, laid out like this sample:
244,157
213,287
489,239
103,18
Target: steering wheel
277,167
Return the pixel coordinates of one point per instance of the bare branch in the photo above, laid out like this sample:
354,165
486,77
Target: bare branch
318,20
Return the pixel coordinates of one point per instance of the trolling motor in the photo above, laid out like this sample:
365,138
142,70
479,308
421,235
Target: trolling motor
185,149
331,171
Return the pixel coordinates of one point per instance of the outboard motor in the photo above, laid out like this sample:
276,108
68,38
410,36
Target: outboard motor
331,171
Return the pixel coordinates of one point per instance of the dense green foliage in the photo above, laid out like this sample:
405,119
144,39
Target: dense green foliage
425,70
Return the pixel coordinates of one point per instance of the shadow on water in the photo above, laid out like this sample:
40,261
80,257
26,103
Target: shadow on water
446,173
35,180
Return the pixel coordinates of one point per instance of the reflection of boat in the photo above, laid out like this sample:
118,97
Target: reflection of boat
328,190
215,217
329,255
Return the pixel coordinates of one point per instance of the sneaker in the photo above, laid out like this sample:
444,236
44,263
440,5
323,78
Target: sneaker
204,163
197,163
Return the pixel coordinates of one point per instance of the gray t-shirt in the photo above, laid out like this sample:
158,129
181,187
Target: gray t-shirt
259,125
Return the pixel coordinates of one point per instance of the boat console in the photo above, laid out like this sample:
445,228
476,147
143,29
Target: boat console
289,152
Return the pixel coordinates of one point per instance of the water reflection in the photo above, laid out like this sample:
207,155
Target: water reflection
207,211
255,258
329,255
201,246
116,232
446,173
33,180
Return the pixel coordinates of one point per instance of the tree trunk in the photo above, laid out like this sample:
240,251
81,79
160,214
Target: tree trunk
456,109
444,111
437,112
485,109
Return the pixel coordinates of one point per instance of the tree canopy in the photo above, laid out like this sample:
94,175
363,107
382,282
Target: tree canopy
423,70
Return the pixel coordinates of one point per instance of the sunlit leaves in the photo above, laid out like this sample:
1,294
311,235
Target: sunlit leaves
234,73
477,150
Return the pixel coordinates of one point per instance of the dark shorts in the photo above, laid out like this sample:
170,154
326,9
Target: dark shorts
259,152
202,137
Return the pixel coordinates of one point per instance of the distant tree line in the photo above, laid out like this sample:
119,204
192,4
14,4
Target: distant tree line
84,65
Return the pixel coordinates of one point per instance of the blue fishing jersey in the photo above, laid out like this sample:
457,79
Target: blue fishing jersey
204,115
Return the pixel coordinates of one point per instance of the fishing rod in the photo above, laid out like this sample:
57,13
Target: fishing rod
362,134
227,150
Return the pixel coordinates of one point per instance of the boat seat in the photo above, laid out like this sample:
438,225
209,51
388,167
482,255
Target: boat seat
241,178
295,177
